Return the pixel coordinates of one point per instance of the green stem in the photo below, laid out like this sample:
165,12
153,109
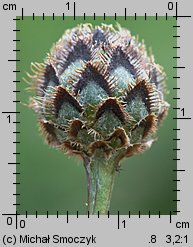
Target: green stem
100,177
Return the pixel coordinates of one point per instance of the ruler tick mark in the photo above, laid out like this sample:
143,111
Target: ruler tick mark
179,67
74,10
118,217
67,220
182,118
179,170
22,14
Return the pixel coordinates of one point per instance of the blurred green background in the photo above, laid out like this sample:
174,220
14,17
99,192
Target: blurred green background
51,181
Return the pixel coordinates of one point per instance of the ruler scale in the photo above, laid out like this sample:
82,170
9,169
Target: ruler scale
139,228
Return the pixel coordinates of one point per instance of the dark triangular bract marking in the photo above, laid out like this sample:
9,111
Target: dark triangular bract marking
89,75
119,133
61,96
74,127
46,76
79,51
148,94
149,125
47,130
119,59
111,104
49,76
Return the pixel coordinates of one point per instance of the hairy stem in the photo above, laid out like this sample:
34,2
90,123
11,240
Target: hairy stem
100,176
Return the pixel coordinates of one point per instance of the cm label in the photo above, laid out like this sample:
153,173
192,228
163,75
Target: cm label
9,6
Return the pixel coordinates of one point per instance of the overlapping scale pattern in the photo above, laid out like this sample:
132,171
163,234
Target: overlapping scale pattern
98,89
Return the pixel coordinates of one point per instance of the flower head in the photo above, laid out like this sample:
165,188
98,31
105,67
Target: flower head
100,96
98,89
